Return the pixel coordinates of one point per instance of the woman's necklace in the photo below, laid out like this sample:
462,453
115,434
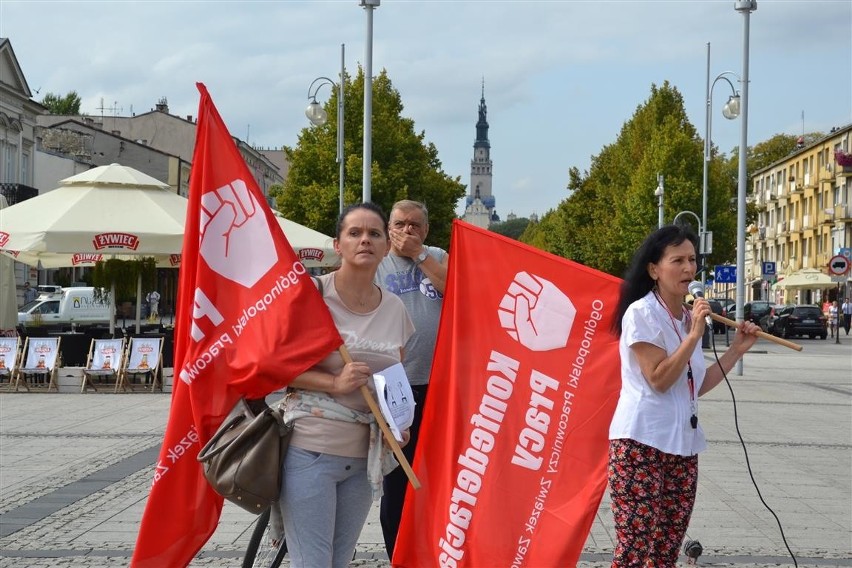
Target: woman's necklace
352,298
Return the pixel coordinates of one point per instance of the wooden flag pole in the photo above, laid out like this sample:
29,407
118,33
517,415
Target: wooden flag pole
380,419
763,334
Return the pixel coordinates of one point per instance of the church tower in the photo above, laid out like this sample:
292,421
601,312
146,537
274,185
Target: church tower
480,202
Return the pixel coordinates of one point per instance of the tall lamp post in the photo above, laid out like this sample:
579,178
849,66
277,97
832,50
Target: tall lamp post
659,194
317,115
745,7
369,6
731,110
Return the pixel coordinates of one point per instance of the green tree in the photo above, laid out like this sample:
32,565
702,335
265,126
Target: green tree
612,207
67,105
404,165
513,228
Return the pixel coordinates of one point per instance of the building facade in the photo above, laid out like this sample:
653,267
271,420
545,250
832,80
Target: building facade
805,219
480,203
170,135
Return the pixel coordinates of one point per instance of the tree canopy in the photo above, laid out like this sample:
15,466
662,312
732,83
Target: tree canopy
612,207
512,228
59,105
404,165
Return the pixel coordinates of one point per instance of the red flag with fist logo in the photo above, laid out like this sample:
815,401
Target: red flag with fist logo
524,383
249,320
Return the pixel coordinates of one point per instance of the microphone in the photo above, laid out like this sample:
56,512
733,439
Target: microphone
696,288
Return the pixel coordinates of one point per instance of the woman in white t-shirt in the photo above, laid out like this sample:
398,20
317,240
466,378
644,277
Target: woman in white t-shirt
655,434
336,460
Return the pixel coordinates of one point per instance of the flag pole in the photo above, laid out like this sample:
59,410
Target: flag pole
380,419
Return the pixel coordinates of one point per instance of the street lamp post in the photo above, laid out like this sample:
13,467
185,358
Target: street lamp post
317,115
730,111
745,7
659,194
369,6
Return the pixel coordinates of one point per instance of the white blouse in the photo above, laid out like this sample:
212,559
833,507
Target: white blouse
657,419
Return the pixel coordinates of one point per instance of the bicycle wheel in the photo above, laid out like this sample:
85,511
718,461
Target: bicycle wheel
260,552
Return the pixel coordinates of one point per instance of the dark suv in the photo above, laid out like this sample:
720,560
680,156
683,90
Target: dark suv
799,320
753,311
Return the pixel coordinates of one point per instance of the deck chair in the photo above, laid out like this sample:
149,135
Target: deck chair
105,361
10,355
40,363
144,360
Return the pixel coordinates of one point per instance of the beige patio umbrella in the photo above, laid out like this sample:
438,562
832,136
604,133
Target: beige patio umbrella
313,248
110,210
107,210
805,279
117,210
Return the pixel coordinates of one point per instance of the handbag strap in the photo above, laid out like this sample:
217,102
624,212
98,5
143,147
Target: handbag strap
212,447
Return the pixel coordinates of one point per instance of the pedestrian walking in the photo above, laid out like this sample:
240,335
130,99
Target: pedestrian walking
846,310
153,299
833,313
30,293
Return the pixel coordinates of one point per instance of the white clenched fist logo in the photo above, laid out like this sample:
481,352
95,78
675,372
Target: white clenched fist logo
535,313
235,237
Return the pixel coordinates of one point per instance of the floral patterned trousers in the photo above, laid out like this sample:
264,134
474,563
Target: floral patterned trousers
652,497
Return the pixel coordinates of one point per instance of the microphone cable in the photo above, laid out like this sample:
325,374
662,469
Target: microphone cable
745,450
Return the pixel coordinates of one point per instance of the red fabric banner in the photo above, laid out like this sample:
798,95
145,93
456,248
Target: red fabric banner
249,320
513,446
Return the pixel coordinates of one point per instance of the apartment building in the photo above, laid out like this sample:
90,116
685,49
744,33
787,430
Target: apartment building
805,218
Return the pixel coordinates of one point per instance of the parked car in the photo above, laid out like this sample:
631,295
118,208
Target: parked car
716,307
753,311
766,321
729,307
800,320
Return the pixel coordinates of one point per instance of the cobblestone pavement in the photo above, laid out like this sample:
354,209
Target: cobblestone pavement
75,471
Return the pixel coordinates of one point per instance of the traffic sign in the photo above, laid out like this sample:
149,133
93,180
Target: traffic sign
769,268
847,252
725,274
838,265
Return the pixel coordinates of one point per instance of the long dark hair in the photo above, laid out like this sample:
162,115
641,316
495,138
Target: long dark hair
637,282
369,206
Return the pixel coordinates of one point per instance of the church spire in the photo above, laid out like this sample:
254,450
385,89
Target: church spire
482,123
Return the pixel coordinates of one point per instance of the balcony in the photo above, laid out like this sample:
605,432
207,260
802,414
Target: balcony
796,186
843,162
843,212
826,217
770,232
793,226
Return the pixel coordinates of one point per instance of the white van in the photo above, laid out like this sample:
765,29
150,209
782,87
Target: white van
65,306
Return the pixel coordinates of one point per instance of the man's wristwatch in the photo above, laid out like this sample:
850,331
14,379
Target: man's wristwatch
421,257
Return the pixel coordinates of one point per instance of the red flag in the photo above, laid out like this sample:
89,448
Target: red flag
249,320
524,384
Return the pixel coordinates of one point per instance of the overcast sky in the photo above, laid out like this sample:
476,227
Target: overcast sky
561,77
